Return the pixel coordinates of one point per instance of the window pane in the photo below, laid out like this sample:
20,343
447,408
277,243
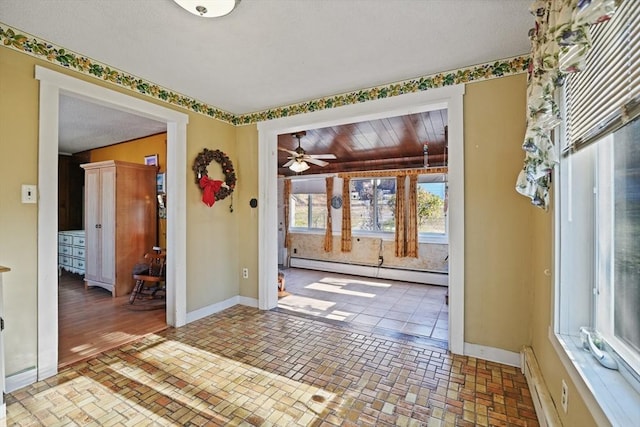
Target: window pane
626,296
299,208
318,211
430,201
386,204
373,204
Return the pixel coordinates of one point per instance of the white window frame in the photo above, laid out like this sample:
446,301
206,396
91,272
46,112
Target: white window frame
436,238
612,397
604,301
308,229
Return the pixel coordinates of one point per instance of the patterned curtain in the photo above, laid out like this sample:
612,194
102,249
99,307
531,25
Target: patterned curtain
412,220
400,216
346,215
560,42
285,197
328,234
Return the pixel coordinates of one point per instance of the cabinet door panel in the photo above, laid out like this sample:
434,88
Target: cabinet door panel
108,224
92,222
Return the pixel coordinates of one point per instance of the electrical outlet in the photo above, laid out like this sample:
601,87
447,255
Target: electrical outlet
245,273
564,397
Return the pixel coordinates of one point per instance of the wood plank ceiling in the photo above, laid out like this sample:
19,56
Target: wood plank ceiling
390,143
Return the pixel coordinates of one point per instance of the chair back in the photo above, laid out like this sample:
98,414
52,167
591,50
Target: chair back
156,263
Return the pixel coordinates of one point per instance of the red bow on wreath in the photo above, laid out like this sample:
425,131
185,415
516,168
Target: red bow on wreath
210,187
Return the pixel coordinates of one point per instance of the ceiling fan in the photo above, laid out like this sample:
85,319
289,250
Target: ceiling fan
299,160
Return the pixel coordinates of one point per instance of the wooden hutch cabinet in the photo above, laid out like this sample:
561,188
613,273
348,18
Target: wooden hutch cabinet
120,222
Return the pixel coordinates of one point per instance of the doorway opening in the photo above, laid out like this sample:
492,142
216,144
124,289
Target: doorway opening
52,86
92,319
397,189
449,98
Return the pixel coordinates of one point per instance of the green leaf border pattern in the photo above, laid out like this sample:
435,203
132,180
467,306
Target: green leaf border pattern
14,39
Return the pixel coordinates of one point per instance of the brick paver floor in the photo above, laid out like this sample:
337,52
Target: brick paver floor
247,367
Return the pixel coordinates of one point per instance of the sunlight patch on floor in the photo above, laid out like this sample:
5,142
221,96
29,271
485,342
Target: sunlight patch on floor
111,390
101,342
305,304
339,315
348,281
212,373
338,290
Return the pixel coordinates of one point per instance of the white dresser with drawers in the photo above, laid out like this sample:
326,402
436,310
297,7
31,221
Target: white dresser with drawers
71,251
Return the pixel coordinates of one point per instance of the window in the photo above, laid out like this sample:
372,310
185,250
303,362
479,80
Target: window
373,203
308,210
599,243
598,211
431,207
618,187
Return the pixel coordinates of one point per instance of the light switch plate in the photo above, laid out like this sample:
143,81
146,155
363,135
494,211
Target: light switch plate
29,193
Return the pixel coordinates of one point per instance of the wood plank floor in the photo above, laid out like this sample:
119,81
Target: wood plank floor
91,321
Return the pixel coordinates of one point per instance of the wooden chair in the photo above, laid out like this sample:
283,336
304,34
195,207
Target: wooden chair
149,277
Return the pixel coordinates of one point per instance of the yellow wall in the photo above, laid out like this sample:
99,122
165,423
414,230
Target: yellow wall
135,151
212,244
247,144
507,241
497,232
18,231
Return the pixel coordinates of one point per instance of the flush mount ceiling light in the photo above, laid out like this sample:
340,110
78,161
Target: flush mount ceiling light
208,8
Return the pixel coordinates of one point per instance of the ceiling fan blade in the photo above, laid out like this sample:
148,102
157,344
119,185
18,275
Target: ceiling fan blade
315,161
322,156
293,153
289,163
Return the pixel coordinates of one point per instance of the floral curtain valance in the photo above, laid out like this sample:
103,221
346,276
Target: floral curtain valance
560,42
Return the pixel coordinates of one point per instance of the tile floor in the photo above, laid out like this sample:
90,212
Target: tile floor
410,308
246,367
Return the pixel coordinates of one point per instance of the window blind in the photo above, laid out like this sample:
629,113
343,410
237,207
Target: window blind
606,94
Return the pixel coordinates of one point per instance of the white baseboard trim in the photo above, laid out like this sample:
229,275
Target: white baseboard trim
425,277
200,313
249,302
21,379
492,354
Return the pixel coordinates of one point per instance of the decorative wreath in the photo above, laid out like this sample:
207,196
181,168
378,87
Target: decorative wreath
213,190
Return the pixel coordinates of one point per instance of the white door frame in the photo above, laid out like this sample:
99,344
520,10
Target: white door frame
52,84
450,98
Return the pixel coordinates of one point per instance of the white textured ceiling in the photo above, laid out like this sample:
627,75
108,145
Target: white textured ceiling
271,53
83,125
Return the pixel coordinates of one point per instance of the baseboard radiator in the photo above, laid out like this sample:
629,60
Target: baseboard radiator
425,277
545,409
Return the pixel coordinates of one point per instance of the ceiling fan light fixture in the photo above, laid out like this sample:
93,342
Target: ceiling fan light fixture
299,166
208,8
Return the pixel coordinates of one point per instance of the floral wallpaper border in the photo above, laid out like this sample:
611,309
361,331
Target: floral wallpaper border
22,42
